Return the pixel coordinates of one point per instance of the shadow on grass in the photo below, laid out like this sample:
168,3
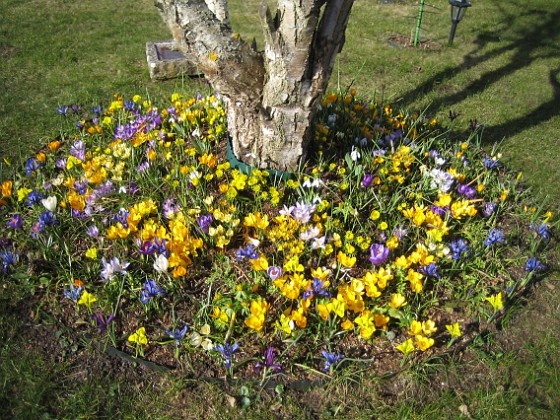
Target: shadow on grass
529,43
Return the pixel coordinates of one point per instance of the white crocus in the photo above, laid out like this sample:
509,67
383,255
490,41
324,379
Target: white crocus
161,264
49,203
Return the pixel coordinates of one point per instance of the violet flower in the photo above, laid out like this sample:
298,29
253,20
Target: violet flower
269,358
378,254
102,322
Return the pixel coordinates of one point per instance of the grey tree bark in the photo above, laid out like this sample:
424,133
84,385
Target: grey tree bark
271,96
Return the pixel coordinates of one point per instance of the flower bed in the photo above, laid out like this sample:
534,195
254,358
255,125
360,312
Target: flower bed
391,244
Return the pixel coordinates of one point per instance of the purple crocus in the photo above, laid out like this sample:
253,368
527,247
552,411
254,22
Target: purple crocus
268,363
274,272
92,231
204,222
36,229
367,180
466,190
489,209
15,222
378,254
112,268
101,321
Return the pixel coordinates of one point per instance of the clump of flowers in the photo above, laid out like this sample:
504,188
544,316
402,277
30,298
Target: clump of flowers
359,252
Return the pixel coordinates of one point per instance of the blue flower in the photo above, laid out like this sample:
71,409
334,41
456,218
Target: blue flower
330,359
177,334
541,230
494,236
34,197
151,289
533,264
47,218
227,351
491,163
121,217
458,247
430,270
31,165
73,293
247,252
9,258
317,287
81,186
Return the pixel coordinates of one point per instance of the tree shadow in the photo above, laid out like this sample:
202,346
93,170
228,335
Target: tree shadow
529,43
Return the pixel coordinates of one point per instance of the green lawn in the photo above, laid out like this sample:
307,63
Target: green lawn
502,72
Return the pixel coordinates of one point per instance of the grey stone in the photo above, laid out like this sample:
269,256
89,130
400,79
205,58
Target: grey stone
166,61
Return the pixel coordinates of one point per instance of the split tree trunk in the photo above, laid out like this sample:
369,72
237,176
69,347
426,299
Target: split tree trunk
271,97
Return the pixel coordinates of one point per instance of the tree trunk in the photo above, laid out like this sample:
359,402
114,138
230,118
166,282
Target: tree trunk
271,97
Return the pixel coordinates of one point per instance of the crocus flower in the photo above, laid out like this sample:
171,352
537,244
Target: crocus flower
248,251
9,258
268,363
378,254
491,163
34,197
430,270
541,230
316,288
204,222
494,236
36,229
533,264
101,321
227,351
466,190
161,264
367,180
177,334
48,219
458,247
112,268
73,293
330,359
15,222
151,289
274,272
489,209
31,165
92,231
303,211
49,203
